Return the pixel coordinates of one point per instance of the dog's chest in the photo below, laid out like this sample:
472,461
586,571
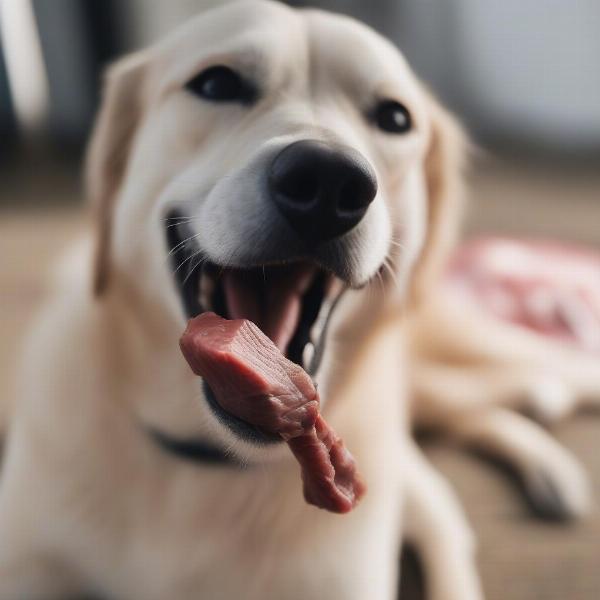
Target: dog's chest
252,536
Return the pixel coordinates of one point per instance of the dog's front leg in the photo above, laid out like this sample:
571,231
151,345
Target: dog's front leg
551,478
437,527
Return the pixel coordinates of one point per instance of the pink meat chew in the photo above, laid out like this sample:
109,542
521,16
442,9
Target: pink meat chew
252,380
551,288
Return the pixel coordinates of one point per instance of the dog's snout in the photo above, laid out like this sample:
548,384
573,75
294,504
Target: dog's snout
323,190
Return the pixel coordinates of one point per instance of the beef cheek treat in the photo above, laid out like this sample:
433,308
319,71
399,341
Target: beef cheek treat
253,381
549,287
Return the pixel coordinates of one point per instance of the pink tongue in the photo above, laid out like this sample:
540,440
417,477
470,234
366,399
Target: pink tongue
278,310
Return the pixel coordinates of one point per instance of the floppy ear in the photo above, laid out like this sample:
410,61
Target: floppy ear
444,175
108,154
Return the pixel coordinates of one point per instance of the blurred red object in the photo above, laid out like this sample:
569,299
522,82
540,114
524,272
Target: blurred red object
550,287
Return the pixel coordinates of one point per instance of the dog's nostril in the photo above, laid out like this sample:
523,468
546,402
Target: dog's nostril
300,186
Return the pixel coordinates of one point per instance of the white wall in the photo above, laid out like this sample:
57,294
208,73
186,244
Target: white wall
149,20
523,68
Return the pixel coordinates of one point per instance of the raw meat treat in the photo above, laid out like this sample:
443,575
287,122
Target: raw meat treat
252,380
552,288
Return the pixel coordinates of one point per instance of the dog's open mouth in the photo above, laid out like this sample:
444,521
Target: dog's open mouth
291,303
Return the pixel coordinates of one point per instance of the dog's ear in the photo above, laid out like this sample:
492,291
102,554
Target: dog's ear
444,177
108,153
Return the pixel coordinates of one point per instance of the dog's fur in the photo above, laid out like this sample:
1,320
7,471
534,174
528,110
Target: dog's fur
88,504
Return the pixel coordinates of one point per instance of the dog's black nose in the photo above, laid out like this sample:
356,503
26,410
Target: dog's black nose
323,190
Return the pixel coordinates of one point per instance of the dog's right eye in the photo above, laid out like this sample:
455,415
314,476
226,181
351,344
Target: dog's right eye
392,117
221,84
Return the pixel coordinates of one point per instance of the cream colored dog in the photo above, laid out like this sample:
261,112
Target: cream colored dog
121,477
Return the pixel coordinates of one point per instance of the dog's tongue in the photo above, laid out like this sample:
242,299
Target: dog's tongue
252,380
271,300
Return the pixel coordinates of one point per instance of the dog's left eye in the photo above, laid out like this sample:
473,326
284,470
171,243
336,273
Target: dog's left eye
393,117
221,84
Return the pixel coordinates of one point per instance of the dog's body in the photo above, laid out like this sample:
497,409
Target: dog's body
89,501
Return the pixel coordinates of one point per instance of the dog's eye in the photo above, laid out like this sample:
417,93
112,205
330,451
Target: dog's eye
393,117
221,84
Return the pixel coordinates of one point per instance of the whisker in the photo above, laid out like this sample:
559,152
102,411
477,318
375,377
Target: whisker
393,242
176,224
181,218
181,244
382,284
177,221
391,272
186,260
197,265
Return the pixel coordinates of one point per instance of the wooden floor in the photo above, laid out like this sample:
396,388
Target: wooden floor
520,558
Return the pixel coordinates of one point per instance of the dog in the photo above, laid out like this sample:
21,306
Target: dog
254,139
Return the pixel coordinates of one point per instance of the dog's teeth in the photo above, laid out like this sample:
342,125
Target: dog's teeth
319,324
308,354
207,288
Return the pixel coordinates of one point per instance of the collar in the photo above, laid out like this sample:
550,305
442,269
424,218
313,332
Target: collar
193,450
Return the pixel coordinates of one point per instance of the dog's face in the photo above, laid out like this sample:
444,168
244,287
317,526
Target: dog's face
267,162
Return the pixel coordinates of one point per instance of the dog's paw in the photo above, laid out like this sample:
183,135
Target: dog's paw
556,486
549,399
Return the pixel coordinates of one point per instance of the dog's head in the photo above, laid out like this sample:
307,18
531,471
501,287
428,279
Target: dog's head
263,162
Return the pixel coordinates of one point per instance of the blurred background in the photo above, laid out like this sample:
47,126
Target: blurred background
524,77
